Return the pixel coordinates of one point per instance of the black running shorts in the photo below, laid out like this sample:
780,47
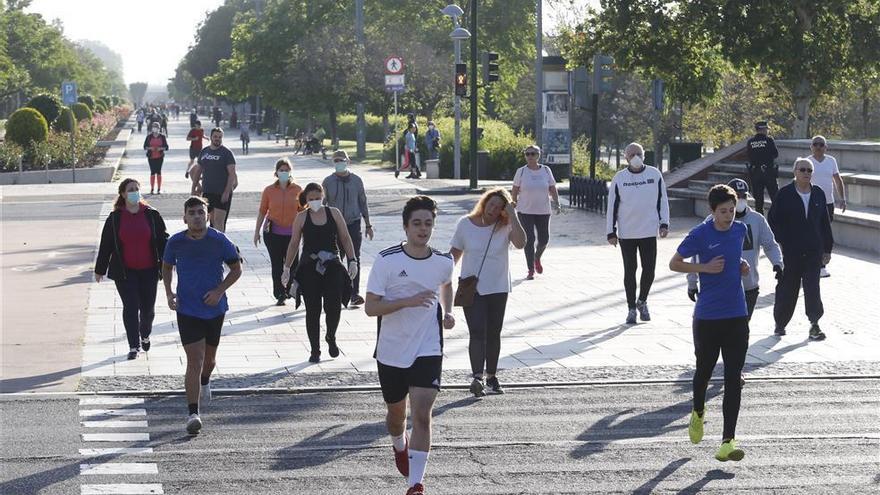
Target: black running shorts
214,202
194,153
424,373
194,329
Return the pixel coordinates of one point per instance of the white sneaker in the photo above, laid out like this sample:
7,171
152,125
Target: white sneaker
823,273
205,394
193,424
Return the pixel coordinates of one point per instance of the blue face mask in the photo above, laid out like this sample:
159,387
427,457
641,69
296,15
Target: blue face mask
341,166
284,176
133,197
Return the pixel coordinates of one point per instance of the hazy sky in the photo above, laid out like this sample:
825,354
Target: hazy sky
152,49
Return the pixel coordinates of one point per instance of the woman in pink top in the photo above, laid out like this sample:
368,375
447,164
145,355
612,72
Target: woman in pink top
155,145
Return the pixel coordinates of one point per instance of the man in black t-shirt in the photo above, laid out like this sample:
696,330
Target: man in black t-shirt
762,165
213,177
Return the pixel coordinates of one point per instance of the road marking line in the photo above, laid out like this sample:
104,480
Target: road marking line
116,437
114,424
123,489
119,468
112,412
115,451
103,401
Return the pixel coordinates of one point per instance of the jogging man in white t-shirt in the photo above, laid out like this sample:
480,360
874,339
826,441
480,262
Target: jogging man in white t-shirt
826,175
410,290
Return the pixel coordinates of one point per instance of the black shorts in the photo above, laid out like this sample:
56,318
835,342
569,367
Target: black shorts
214,202
424,373
194,329
194,153
156,165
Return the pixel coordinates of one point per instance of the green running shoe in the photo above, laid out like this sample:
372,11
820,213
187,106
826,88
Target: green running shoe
729,452
695,430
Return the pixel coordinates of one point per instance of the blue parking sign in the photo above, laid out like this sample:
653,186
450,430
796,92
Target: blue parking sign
68,92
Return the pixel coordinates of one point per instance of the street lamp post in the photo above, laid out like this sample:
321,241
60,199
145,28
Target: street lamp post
458,34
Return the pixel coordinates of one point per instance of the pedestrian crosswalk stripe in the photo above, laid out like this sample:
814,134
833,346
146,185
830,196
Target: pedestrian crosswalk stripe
115,451
116,437
119,468
123,489
104,401
112,412
114,424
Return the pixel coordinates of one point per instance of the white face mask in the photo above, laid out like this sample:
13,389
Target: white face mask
636,161
316,204
741,205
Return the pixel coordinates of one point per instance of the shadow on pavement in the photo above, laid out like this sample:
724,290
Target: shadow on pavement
697,486
664,473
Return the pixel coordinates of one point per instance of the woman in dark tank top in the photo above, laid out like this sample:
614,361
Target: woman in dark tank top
320,277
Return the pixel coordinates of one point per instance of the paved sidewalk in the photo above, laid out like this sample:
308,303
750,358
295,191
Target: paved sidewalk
569,318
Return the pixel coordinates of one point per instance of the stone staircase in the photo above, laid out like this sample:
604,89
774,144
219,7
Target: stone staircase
857,227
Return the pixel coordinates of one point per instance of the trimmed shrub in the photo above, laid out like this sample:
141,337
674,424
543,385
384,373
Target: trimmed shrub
26,125
63,124
504,145
81,111
347,127
100,107
115,101
105,100
89,100
48,105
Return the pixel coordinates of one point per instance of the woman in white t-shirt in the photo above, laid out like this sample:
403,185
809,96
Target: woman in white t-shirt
481,241
533,189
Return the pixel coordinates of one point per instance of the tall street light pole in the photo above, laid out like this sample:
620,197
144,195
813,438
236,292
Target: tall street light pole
473,151
539,75
458,34
361,132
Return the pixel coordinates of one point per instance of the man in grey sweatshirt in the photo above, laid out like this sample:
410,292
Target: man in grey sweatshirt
759,236
345,190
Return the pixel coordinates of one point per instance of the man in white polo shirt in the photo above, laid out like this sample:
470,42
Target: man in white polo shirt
410,291
826,175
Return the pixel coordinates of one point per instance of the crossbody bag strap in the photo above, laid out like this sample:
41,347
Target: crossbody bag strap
487,249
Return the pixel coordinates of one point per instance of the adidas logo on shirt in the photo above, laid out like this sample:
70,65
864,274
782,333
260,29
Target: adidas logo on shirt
402,274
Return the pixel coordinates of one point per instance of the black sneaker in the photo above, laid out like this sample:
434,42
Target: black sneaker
315,357
280,302
357,300
332,348
779,332
816,333
132,354
493,386
145,344
477,388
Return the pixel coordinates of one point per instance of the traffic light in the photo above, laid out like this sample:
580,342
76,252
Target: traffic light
490,67
603,72
461,79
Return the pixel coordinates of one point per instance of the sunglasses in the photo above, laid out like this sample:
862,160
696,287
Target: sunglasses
819,145
532,153
338,161
806,170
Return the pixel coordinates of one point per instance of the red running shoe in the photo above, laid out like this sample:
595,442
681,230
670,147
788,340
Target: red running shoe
531,275
538,267
418,489
402,460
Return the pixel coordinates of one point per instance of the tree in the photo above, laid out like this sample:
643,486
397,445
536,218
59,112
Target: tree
137,91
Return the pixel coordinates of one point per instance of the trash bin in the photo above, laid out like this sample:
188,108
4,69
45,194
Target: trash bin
483,165
432,169
681,153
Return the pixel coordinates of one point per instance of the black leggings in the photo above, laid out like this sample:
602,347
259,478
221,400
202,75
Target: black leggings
647,250
530,223
276,244
138,293
318,290
156,165
485,317
730,336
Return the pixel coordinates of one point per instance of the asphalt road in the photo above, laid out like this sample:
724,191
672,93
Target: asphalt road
817,436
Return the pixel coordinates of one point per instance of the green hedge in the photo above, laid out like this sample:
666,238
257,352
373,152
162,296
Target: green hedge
26,125
63,124
347,128
504,145
81,111
89,100
48,105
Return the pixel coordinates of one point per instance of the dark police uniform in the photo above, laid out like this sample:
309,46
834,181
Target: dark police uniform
762,167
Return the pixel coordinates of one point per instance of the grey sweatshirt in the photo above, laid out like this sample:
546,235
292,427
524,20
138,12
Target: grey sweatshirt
348,195
758,235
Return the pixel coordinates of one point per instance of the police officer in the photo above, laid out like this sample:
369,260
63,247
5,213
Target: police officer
762,168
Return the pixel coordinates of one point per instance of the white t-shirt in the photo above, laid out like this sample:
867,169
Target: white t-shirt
823,175
409,333
805,197
472,241
534,189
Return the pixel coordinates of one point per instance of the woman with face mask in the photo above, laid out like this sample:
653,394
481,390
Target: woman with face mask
279,206
131,249
320,277
155,145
